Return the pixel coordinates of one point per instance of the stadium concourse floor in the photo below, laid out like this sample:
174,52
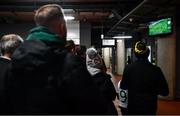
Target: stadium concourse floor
165,107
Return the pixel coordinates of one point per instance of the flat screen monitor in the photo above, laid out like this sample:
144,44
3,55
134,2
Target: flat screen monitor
160,27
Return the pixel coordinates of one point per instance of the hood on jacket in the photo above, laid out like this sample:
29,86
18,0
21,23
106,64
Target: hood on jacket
42,49
42,33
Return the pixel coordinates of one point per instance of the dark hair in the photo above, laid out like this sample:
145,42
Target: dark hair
80,50
70,46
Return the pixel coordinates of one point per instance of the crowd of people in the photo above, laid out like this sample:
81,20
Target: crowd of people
46,74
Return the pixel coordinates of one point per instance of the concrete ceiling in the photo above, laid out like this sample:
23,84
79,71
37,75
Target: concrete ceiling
114,16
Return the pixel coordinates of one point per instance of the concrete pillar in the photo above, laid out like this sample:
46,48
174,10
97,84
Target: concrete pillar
106,56
73,31
120,56
85,34
166,60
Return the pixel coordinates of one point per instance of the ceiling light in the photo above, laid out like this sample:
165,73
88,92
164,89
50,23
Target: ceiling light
102,36
131,19
69,18
122,37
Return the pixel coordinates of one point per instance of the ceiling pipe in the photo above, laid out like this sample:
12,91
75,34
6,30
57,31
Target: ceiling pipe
116,14
126,16
30,6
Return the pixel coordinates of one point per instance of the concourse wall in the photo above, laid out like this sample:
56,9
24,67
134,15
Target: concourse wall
166,60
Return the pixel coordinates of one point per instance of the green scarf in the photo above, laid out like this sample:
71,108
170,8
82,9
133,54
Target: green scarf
42,33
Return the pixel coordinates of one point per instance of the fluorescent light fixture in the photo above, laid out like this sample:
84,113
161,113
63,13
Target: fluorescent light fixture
102,36
122,37
71,35
69,18
108,42
68,11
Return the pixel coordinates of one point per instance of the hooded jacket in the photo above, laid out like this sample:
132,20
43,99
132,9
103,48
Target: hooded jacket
144,82
4,68
46,80
94,64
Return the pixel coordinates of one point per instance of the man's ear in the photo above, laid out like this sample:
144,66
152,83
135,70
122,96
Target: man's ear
61,26
63,29
57,27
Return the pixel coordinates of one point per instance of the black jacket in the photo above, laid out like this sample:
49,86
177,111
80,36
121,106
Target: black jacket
144,82
46,80
106,86
4,73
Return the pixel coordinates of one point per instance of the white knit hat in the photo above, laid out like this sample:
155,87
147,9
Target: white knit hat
93,61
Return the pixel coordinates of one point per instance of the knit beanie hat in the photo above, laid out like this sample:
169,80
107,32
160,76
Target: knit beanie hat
93,61
141,50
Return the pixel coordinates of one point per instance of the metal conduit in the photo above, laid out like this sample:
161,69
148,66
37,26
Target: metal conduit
141,4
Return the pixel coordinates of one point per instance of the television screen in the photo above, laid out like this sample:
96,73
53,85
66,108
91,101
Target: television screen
160,27
108,42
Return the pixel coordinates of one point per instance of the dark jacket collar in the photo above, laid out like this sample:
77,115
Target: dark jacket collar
42,33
